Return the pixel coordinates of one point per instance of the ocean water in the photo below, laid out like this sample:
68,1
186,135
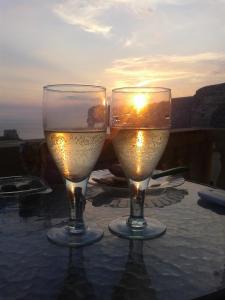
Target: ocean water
27,129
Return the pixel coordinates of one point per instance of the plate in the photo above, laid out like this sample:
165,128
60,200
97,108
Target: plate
107,181
14,186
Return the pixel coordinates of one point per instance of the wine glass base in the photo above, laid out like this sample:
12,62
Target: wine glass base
152,230
61,236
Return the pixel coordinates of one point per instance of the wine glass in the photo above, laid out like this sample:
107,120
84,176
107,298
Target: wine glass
75,122
140,124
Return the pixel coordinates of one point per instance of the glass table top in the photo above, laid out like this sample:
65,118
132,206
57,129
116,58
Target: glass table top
187,262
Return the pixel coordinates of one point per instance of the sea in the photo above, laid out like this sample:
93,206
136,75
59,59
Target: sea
26,129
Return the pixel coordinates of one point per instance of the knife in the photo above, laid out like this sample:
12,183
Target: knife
172,171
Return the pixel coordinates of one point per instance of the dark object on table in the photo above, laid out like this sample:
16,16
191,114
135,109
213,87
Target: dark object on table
9,188
35,184
23,187
214,196
116,170
112,181
173,171
218,209
15,186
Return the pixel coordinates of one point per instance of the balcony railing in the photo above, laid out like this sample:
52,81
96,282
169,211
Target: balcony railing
202,150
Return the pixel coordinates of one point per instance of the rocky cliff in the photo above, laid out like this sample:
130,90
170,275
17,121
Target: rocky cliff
208,108
205,109
181,112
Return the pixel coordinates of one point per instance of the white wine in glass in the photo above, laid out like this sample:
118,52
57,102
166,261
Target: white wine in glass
75,121
75,153
140,123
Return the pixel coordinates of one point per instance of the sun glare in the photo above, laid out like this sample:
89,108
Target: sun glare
139,101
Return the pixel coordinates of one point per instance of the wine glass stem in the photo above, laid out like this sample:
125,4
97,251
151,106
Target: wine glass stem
76,194
137,196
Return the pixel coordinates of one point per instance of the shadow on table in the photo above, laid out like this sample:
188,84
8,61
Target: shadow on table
30,207
153,198
76,284
218,209
26,208
135,282
54,205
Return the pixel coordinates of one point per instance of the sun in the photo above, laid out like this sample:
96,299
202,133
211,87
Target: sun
139,101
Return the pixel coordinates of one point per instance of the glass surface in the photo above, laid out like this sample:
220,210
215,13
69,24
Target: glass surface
181,262
75,120
140,126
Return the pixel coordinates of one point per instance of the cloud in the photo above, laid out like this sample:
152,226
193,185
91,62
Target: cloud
196,58
84,14
87,14
132,41
168,69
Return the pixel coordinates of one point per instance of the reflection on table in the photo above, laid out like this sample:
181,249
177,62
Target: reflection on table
187,260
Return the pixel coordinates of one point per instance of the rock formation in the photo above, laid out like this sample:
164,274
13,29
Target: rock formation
206,109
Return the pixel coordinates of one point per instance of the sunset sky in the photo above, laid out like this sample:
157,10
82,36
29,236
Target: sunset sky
173,43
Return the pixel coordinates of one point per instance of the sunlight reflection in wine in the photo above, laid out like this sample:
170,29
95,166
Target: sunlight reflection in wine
139,144
61,149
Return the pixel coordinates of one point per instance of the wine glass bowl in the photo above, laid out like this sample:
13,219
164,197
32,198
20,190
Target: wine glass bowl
140,123
75,122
